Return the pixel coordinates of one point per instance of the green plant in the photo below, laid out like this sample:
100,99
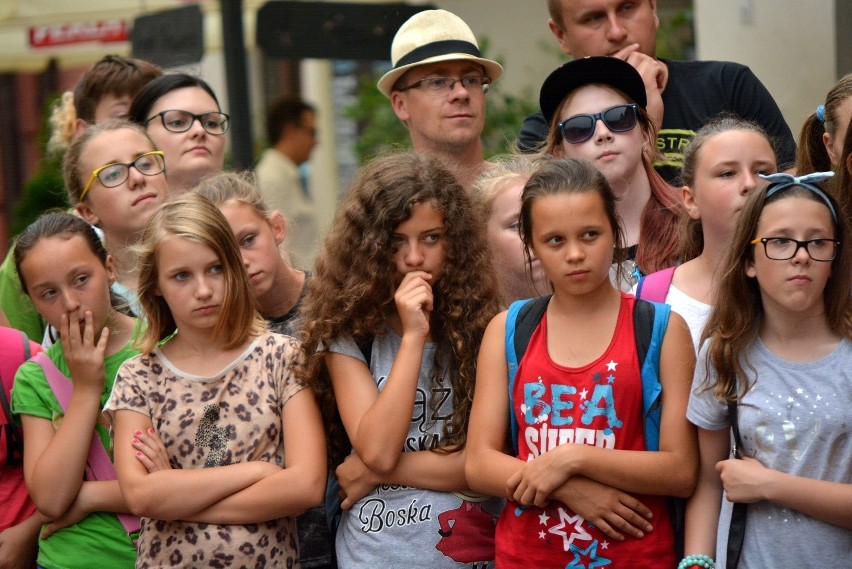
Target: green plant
45,189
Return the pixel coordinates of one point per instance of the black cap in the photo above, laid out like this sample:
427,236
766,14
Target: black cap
586,71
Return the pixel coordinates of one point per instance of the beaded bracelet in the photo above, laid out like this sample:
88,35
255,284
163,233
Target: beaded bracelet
702,561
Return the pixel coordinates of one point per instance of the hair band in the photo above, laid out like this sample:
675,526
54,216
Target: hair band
820,113
782,180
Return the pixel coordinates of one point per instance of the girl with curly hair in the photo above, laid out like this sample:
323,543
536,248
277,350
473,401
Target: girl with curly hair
393,320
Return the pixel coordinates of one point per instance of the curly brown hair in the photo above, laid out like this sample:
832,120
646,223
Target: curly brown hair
352,291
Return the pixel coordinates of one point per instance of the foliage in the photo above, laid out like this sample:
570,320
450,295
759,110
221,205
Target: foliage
45,189
676,36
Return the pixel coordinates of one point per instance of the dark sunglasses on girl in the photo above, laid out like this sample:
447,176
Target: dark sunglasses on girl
580,128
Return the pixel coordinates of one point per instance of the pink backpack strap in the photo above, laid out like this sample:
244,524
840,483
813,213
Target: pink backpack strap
655,287
100,466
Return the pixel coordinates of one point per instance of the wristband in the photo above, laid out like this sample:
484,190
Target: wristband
701,561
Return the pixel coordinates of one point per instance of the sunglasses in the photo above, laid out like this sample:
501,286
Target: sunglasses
580,128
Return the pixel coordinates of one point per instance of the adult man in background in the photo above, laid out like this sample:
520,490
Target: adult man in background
437,88
291,131
682,95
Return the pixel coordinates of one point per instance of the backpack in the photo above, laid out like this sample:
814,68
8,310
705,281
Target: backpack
17,347
650,320
655,287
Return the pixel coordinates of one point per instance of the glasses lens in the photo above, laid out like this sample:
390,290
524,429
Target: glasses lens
578,129
822,249
620,119
215,123
150,164
113,175
177,121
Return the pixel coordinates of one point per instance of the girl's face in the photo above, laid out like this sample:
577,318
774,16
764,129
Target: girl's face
64,276
124,208
418,243
573,238
259,239
507,249
191,281
618,155
192,154
795,285
726,173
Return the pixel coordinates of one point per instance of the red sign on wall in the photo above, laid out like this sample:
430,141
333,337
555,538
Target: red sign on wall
79,32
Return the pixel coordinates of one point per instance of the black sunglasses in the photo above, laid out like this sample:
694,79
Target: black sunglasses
580,128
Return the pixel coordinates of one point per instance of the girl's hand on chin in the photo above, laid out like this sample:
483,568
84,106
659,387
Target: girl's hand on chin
414,302
85,357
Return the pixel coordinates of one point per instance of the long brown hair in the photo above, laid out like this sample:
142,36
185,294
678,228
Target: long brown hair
812,155
352,290
733,324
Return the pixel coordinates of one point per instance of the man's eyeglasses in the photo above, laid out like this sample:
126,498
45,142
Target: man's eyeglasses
580,128
181,121
783,248
114,174
447,84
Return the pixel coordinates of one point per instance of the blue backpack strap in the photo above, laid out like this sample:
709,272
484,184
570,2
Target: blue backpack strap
512,361
521,321
655,287
650,320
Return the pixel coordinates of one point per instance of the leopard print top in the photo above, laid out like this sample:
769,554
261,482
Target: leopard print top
205,422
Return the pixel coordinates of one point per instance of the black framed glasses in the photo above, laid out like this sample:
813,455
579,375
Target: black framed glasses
580,128
784,248
181,121
115,173
438,85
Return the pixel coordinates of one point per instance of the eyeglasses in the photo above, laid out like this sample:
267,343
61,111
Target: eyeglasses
783,248
181,121
447,84
580,128
114,174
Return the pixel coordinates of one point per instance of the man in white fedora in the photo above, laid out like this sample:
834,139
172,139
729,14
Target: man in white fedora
437,88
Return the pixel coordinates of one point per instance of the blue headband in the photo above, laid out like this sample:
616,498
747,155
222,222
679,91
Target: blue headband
783,180
820,113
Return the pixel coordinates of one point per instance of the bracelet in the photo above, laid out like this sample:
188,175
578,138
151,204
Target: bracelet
701,561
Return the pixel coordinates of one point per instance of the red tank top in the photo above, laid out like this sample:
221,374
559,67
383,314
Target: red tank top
598,404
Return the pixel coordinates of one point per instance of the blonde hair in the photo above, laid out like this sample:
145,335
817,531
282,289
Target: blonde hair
505,171
241,187
196,218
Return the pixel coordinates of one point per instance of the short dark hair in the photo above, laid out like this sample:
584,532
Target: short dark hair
151,93
283,112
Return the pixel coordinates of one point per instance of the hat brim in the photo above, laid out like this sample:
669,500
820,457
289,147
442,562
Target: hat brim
603,70
389,79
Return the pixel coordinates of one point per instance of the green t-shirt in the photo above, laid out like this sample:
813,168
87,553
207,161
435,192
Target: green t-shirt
99,540
17,306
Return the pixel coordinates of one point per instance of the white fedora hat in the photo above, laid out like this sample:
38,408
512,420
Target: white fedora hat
431,36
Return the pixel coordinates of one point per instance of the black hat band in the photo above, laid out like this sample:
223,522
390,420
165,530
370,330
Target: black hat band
436,49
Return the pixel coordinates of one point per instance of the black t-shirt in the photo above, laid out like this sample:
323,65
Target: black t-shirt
696,92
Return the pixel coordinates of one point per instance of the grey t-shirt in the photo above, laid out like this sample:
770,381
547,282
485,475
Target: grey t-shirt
399,526
796,418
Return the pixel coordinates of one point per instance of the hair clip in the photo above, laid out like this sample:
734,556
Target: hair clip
820,113
782,180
